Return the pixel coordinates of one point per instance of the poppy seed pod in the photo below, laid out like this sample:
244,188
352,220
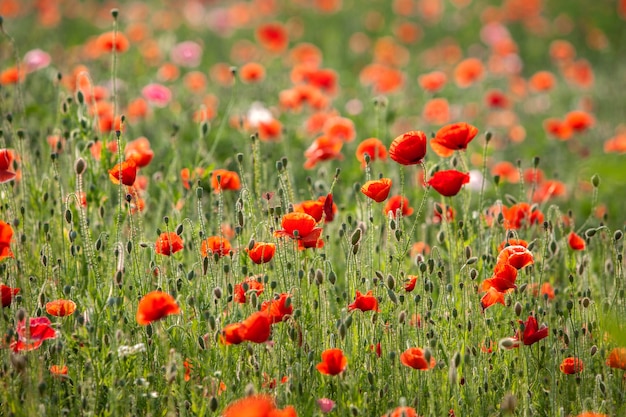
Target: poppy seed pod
80,166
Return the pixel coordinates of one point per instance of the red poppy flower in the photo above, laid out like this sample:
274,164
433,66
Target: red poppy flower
60,308
215,244
323,148
377,190
232,334
364,302
617,358
402,411
579,120
557,128
432,81
532,333
512,242
154,306
520,215
252,72
414,358
333,362
373,147
168,243
58,370
410,284
572,366
468,71
517,256
124,172
6,235
542,81
491,297
250,284
454,137
575,241
296,225
273,37
257,406
503,278
396,203
408,148
261,252
6,166
31,336
339,128
312,240
313,208
256,328
7,294
278,309
448,183
139,150
228,180
109,41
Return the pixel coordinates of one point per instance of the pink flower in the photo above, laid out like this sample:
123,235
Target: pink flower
186,54
36,59
157,94
326,405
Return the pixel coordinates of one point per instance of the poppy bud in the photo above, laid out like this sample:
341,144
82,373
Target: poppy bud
594,350
618,235
518,309
356,236
595,180
391,282
79,166
590,232
468,252
217,292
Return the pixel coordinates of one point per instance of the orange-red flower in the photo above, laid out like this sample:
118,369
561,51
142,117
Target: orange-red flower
398,202
279,308
517,256
154,306
296,225
468,71
58,370
443,213
402,411
256,328
323,148
557,128
124,172
222,179
6,235
333,362
60,308
7,294
249,285
364,302
377,190
491,297
542,81
409,285
532,333
408,148
572,366
252,72
261,252
215,244
579,120
448,183
139,150
30,336
512,242
503,278
453,137
257,406
373,147
168,243
617,358
340,128
415,358
520,215
109,41
6,166
575,241
432,81
273,37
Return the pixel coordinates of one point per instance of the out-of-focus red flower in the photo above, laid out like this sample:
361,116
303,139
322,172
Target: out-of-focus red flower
273,37
324,148
279,308
60,308
261,252
333,362
222,179
532,333
139,150
33,334
249,285
395,203
373,147
7,294
575,241
154,306
416,358
364,302
124,172
571,366
168,243
215,244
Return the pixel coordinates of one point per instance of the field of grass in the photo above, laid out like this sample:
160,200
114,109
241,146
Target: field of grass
295,208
